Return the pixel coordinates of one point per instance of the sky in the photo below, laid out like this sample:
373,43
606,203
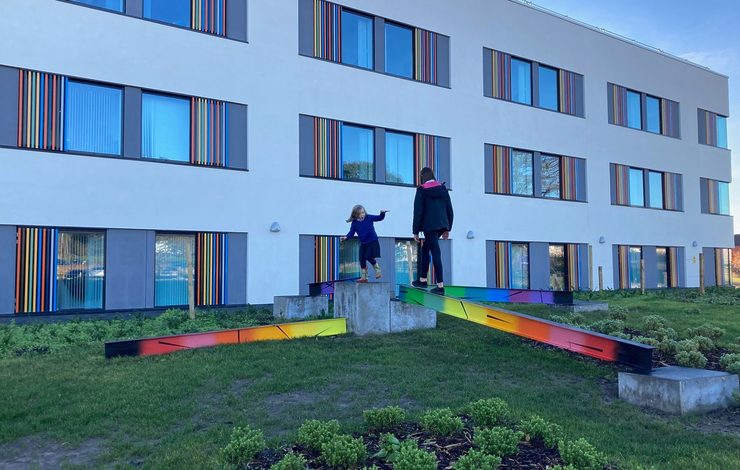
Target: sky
703,31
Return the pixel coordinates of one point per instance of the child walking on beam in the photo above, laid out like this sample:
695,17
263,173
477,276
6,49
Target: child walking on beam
362,227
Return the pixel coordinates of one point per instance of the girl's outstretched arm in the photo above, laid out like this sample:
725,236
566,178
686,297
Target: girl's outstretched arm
378,218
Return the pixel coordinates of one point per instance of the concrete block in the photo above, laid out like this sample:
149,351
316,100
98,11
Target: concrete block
679,390
298,307
366,306
582,306
405,317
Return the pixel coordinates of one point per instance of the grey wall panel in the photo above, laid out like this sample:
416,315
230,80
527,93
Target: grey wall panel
305,145
646,187
650,258
126,269
238,136
237,269
305,29
581,181
704,195
488,167
379,150
610,105
615,265
236,19
535,68
580,97
132,122
9,109
613,182
679,191
387,261
443,61
445,164
151,238
445,247
306,246
487,73
681,258
710,273
537,174
676,118
379,49
643,111
490,263
702,117
539,265
135,8
7,269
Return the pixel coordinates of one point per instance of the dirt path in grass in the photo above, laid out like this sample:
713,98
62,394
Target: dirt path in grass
43,453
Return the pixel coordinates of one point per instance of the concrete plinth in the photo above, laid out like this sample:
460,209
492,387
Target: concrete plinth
366,306
679,390
405,317
297,307
583,306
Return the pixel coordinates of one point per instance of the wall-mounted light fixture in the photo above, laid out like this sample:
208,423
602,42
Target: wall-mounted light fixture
602,240
694,244
275,227
470,235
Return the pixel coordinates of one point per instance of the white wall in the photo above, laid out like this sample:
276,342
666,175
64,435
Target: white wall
277,84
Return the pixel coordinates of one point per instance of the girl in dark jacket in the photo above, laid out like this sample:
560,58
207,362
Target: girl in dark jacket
432,215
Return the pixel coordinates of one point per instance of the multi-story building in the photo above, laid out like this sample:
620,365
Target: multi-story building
141,137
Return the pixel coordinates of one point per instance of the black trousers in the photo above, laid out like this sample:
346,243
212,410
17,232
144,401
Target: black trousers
368,252
430,246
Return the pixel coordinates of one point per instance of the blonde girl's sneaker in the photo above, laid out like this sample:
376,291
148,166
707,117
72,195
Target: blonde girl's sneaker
363,276
378,273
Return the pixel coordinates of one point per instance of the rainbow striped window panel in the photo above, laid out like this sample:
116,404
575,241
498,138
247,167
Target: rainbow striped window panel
712,129
334,259
715,197
511,265
627,108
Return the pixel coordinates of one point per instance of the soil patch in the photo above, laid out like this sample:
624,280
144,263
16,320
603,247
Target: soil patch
43,453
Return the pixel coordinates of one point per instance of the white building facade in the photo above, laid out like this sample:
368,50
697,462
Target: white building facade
138,138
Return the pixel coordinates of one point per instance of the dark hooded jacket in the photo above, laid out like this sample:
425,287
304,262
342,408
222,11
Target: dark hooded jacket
432,208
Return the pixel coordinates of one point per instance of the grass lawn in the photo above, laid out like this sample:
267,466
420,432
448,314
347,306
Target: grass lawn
177,411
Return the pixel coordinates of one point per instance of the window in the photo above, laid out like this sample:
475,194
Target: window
550,176
548,88
662,268
723,199
634,110
635,256
92,118
722,132
80,267
357,153
521,81
406,261
637,189
399,50
652,114
115,5
349,256
357,39
722,266
165,127
174,255
399,158
655,180
558,276
175,12
521,173
519,266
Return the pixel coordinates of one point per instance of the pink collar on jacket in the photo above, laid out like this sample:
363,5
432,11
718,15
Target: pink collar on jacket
430,184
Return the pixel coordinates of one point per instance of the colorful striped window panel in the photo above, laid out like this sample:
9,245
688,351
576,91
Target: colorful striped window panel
211,266
713,196
718,196
707,128
723,266
208,139
501,75
35,270
623,257
571,188
426,154
673,280
327,147
208,16
334,259
672,191
621,185
568,93
503,279
617,105
669,118
40,110
501,170
425,56
327,19
576,254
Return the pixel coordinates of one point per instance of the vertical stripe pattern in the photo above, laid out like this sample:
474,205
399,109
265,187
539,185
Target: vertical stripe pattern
568,93
327,20
208,16
425,56
208,124
669,118
672,191
501,75
572,258
501,170
713,196
326,258
40,109
503,263
571,188
709,123
618,99
211,260
623,253
426,152
35,270
673,267
622,184
327,145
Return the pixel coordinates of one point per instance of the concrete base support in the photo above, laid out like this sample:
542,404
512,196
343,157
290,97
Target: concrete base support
297,307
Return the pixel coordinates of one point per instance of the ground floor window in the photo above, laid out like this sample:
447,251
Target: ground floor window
663,269
173,264
723,266
558,268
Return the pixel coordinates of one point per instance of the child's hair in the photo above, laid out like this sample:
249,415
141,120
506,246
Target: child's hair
355,212
426,174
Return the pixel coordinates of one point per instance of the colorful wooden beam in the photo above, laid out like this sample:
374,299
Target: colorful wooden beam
168,344
515,296
588,343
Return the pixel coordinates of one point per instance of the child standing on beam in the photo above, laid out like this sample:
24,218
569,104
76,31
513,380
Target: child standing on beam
362,227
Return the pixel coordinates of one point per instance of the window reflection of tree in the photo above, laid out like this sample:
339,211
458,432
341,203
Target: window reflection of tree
358,171
550,176
558,276
521,173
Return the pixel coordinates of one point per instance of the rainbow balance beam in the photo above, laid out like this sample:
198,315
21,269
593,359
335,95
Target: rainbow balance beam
588,343
514,296
168,344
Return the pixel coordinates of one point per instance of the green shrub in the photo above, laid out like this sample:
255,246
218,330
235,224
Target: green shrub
734,368
244,444
537,427
581,455
389,447
691,359
653,322
668,347
728,359
441,422
692,311
314,433
477,460
577,319
647,341
489,412
703,343
291,461
687,345
617,312
662,334
608,326
410,457
343,451
383,419
497,441
711,332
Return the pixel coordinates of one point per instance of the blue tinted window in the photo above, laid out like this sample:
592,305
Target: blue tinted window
635,256
634,110
171,269
521,173
521,81
722,132
548,88
399,158
80,266
399,50
519,266
662,268
165,127
357,39
637,187
92,118
115,5
652,114
723,200
550,176
175,12
357,153
655,180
